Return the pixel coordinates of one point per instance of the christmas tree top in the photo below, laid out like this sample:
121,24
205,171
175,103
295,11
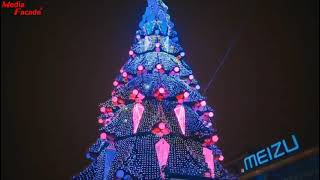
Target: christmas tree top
156,14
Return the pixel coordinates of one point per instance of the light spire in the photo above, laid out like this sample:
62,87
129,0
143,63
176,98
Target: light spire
156,18
156,4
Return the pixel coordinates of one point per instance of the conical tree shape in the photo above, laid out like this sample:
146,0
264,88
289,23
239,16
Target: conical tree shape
156,125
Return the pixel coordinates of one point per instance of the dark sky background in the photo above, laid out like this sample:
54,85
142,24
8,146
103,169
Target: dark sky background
57,68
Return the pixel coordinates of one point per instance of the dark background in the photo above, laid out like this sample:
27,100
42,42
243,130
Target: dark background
58,67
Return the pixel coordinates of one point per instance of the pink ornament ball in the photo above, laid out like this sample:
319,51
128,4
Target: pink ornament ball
114,99
135,92
103,109
159,66
176,69
203,103
215,138
131,53
124,74
191,77
140,68
162,126
186,94
115,83
161,90
211,114
100,121
221,158
197,87
103,136
158,45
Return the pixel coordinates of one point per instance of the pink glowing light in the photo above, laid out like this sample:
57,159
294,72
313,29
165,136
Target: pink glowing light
124,74
137,112
158,45
131,53
197,87
100,121
211,114
176,69
207,153
103,109
162,150
203,103
103,136
135,92
221,158
186,94
115,83
114,99
180,114
140,67
191,77
161,90
162,126
215,138
159,66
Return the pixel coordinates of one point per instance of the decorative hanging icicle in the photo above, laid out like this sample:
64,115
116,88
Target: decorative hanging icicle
180,114
137,112
162,150
207,153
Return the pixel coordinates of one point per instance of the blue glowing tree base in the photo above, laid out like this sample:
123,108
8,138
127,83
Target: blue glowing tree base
157,125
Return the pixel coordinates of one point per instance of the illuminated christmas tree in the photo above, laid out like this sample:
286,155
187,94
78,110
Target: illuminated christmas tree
156,125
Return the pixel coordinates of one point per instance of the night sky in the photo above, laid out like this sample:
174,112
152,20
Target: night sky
57,68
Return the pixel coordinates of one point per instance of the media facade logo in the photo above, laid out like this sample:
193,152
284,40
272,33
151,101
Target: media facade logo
273,152
18,8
